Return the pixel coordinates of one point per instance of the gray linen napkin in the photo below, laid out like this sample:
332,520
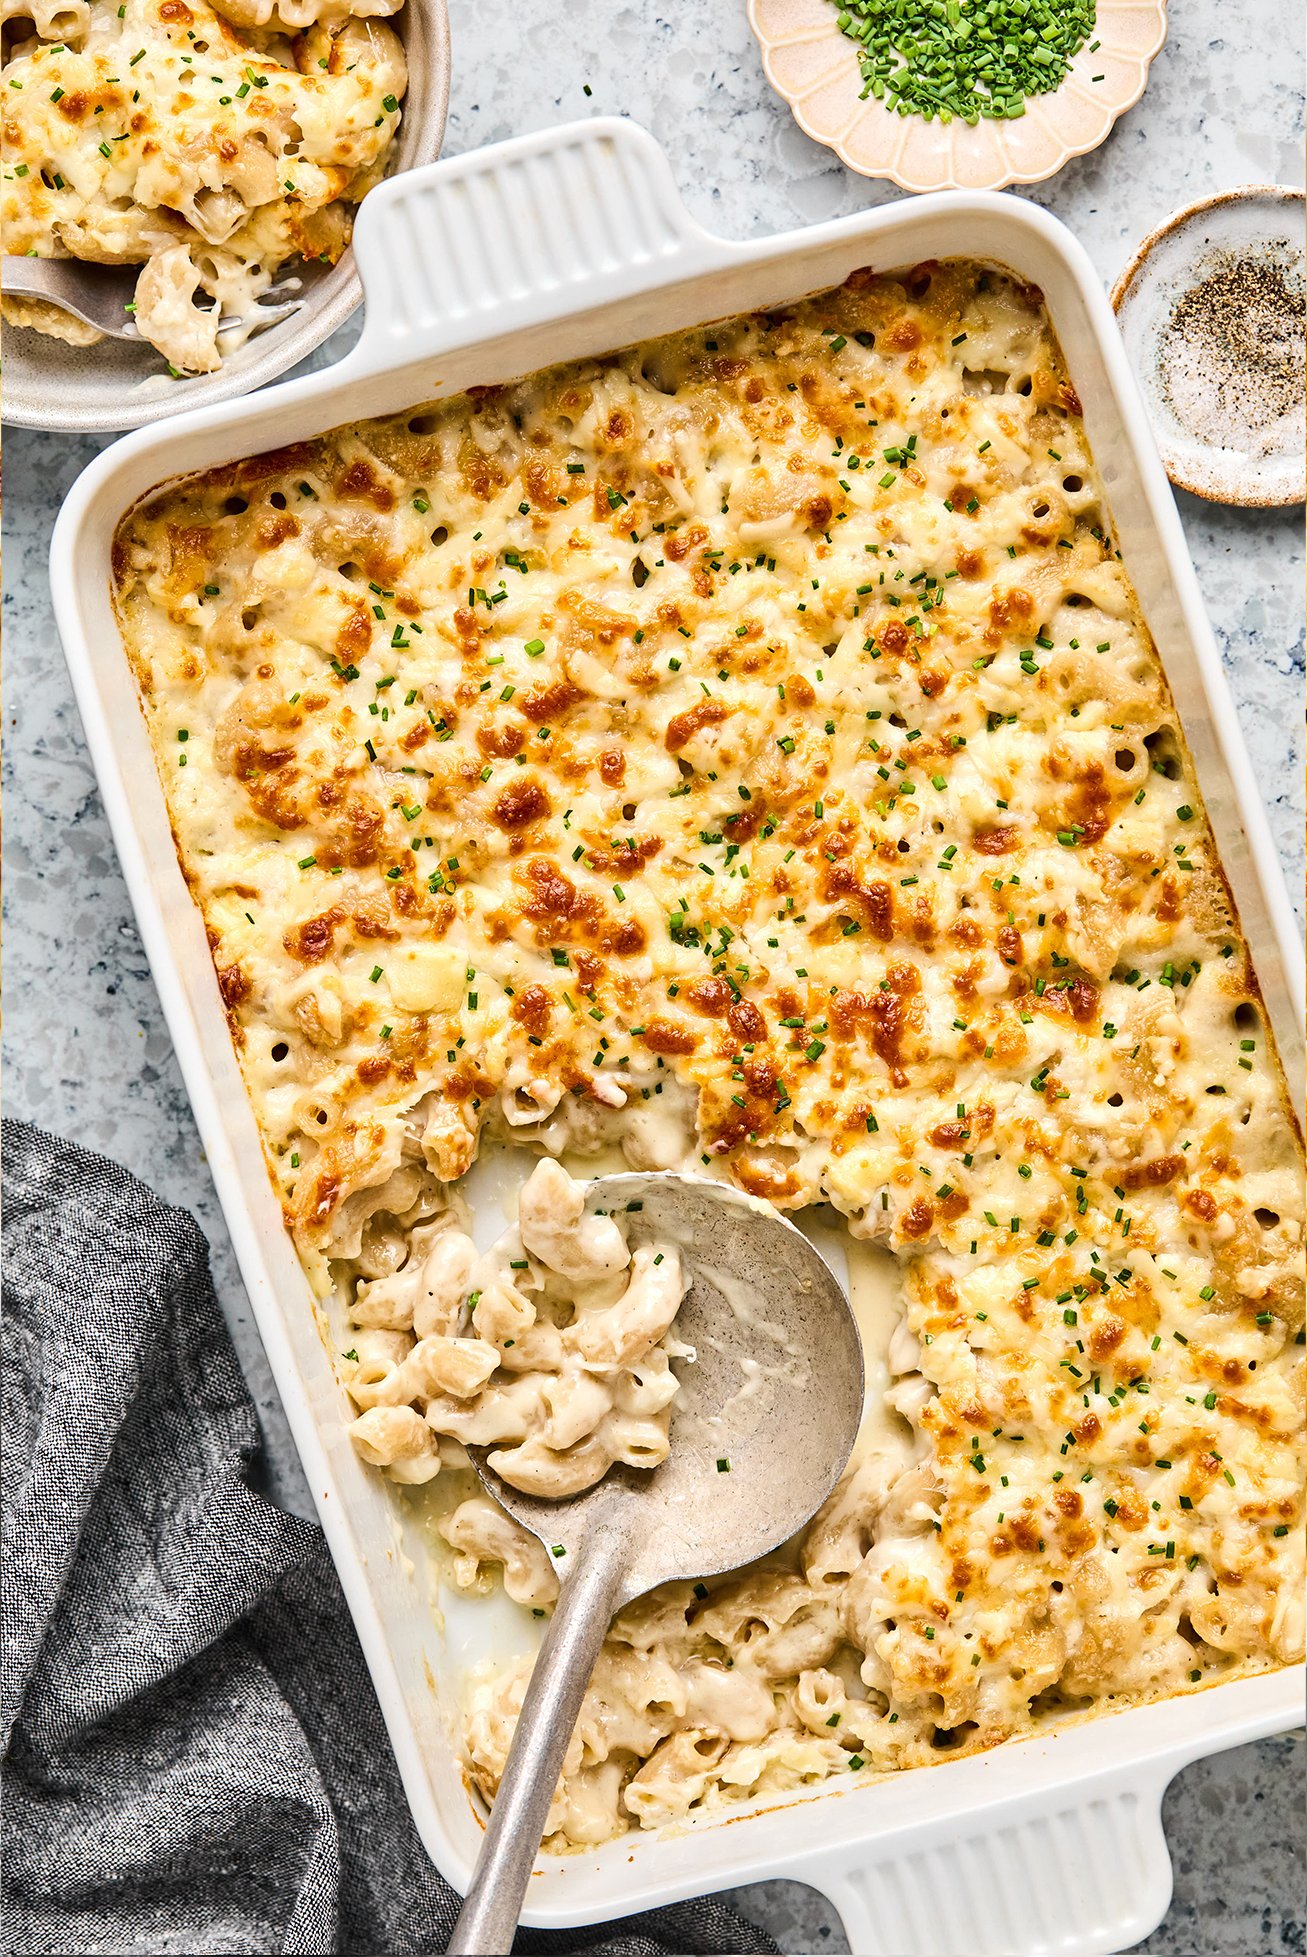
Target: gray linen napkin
194,1758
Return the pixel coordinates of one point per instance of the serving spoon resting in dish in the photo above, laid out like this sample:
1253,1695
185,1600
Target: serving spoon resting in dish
761,1431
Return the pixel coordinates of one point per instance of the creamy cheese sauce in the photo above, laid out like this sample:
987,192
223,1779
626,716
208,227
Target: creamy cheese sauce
875,1293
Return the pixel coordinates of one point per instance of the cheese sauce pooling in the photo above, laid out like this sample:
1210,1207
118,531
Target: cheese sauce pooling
747,746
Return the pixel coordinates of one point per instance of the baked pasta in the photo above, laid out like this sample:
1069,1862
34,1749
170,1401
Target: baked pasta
747,748
210,144
551,1349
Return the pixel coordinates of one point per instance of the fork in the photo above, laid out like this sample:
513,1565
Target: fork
101,295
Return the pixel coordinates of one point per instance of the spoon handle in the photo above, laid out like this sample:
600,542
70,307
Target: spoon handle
488,1919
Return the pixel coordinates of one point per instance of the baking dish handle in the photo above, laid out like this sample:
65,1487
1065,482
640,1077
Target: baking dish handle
1079,1875
506,237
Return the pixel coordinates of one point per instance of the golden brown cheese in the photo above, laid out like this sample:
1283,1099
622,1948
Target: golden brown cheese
750,741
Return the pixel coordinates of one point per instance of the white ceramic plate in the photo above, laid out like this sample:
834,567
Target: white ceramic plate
119,384
814,66
1217,423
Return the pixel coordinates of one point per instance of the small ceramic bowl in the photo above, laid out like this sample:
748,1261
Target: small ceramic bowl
814,66
1211,308
121,384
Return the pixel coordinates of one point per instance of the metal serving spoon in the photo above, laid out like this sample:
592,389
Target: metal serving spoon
102,295
751,1461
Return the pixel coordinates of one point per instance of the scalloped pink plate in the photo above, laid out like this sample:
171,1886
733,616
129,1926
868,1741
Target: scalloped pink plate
814,66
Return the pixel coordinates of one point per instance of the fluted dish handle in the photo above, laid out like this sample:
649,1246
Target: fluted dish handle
1083,1872
504,237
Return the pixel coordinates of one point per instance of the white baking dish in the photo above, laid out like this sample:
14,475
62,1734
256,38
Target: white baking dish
488,267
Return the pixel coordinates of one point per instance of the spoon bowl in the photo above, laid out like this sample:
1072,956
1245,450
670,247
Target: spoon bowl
768,1408
761,1431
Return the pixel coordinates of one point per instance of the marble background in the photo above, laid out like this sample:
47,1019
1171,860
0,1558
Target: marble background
86,1051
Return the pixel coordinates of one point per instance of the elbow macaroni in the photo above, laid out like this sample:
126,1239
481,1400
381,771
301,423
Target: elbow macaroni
551,1349
208,144
747,746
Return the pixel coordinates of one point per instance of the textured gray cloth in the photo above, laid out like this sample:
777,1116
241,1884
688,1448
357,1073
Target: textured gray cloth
194,1758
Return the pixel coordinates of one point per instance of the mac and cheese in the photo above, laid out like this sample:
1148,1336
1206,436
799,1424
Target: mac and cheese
747,747
551,1349
210,144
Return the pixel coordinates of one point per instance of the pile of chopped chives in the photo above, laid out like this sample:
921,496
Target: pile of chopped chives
964,58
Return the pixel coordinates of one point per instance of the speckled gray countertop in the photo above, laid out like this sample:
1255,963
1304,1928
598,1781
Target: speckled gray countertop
86,1050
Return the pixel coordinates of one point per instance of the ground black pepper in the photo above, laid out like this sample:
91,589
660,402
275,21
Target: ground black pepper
1232,355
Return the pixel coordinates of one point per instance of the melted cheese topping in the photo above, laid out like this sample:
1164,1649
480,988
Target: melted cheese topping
160,133
747,747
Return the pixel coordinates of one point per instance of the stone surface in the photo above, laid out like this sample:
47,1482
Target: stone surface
87,1053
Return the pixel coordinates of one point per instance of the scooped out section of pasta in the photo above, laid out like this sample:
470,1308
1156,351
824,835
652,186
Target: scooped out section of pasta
552,1348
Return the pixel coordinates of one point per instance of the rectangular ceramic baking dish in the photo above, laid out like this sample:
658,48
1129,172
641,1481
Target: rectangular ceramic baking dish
477,270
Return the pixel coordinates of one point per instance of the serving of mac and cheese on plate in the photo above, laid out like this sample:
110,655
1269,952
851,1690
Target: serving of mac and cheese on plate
745,750
213,145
